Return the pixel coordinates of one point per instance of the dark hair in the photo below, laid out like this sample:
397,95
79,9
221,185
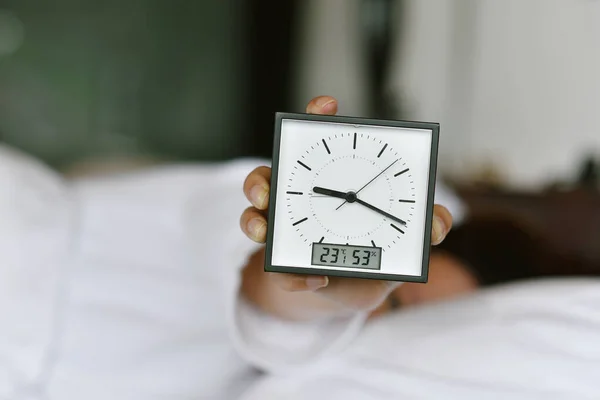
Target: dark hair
500,249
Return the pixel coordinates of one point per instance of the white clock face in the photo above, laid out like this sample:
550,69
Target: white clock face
351,197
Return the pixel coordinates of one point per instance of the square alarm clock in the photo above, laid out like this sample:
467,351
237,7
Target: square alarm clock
351,197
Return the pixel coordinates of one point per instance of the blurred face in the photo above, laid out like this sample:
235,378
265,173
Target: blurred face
448,278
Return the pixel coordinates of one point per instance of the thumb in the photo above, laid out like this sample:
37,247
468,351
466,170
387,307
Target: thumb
324,105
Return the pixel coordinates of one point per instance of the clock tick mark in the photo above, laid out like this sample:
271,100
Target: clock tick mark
382,150
301,221
401,172
326,147
396,228
304,165
354,145
296,193
373,243
406,201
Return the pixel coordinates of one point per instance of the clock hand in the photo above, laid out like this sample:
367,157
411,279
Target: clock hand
385,214
368,183
350,197
330,192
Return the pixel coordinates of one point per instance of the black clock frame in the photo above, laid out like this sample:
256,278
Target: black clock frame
433,127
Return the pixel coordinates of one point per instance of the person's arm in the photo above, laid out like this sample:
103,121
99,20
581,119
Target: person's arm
302,297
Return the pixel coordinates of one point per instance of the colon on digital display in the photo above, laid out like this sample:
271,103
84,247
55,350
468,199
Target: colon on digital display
338,255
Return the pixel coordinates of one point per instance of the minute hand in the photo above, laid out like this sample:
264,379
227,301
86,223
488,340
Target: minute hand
380,211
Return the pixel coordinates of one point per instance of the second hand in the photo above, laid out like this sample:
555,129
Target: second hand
368,183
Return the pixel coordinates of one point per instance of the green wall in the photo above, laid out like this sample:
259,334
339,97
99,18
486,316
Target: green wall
133,77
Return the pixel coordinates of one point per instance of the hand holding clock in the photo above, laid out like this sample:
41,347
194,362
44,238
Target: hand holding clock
302,297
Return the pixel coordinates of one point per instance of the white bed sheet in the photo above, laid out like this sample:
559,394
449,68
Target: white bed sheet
523,341
125,288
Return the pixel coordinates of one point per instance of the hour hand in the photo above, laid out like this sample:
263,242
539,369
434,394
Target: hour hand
329,192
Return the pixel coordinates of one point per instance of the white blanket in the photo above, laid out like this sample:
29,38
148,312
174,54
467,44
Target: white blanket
526,342
125,288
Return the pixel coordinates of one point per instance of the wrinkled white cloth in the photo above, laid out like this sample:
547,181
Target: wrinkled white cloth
126,287
528,341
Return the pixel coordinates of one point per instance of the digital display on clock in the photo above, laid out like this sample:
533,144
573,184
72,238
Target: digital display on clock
336,255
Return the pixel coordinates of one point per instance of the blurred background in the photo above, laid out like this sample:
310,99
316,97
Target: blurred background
516,90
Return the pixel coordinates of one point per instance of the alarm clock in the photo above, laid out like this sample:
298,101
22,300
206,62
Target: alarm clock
351,197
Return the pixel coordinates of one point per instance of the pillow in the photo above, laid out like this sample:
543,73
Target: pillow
34,243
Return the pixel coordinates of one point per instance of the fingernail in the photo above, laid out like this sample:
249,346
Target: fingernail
256,229
258,196
439,230
324,101
316,282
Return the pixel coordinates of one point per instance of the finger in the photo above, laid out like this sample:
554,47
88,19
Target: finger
357,294
299,283
256,187
325,105
254,224
442,223
351,294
